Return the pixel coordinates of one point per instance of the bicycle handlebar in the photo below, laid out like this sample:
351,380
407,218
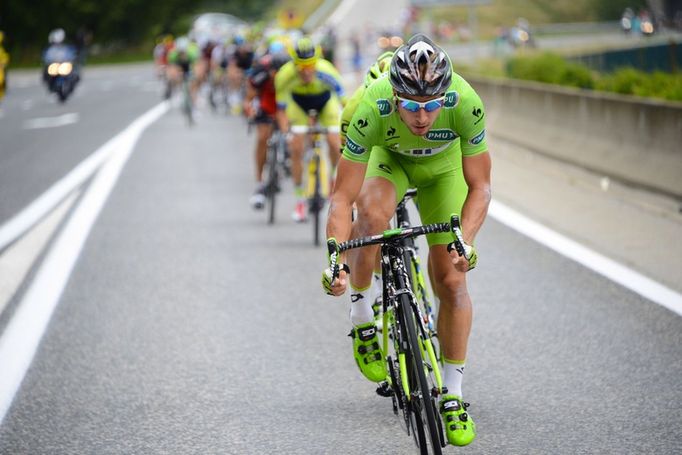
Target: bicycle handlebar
396,234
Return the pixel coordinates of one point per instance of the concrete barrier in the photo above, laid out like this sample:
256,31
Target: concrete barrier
635,140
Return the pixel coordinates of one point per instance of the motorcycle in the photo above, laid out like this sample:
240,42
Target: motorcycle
61,73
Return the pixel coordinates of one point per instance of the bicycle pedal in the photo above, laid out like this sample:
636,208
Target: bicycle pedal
384,390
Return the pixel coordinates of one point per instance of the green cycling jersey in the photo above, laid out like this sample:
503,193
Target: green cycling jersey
191,55
458,129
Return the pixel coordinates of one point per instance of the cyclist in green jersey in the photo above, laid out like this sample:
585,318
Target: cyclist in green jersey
424,127
181,60
308,82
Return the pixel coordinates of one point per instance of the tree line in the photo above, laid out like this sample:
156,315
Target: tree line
128,22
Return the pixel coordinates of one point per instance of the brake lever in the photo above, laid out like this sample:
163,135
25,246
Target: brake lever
458,243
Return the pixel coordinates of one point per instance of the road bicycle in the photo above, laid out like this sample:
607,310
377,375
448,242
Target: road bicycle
277,164
317,187
413,378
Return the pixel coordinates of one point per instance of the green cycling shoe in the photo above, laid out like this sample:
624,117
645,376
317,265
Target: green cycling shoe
367,352
459,426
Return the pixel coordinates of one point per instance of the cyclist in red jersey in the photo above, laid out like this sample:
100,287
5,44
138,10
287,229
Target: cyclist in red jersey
260,107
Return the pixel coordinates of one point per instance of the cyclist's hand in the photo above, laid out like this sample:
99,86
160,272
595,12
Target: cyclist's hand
334,277
466,262
338,287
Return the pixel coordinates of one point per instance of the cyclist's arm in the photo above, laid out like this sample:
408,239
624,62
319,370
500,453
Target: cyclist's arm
477,175
348,111
349,178
351,170
470,121
330,76
251,93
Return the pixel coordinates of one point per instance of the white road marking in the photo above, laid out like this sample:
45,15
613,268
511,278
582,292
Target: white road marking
51,122
17,260
21,338
626,277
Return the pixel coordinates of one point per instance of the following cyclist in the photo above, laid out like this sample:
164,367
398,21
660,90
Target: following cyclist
308,82
181,61
261,86
423,126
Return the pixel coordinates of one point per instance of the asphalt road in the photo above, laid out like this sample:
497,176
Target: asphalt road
34,158
191,326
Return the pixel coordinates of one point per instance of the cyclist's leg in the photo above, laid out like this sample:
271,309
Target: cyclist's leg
264,128
297,117
443,195
264,131
376,205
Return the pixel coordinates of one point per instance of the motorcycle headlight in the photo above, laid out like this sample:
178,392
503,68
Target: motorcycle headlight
53,69
65,68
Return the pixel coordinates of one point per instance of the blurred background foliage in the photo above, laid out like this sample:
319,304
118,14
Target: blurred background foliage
125,30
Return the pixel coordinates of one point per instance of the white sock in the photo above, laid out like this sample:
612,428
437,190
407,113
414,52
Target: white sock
361,306
453,372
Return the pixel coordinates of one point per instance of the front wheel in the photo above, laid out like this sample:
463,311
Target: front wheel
423,406
272,185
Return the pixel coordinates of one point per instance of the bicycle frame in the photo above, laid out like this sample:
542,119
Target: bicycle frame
402,220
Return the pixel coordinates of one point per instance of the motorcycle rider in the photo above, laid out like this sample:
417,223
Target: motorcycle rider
59,52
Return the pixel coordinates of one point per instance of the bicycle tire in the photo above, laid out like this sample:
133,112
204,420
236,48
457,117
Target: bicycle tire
273,182
315,207
416,365
187,103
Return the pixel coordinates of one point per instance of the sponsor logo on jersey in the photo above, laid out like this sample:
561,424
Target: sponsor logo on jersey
451,100
362,123
385,167
478,113
354,147
385,107
441,135
478,138
390,132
